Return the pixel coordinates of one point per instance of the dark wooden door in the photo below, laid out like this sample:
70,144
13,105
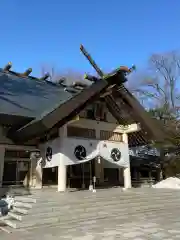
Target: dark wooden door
10,173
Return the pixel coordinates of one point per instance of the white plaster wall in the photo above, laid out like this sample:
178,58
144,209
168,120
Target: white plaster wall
56,153
69,144
63,151
93,149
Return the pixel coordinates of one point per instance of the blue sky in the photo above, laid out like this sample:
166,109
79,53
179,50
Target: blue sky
116,32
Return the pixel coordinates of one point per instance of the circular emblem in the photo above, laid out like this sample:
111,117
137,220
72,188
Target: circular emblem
115,154
49,154
80,152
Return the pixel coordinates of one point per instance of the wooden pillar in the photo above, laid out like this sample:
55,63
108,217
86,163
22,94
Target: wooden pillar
127,171
62,176
2,154
121,177
99,169
62,169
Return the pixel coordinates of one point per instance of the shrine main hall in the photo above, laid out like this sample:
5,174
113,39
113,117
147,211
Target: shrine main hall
70,136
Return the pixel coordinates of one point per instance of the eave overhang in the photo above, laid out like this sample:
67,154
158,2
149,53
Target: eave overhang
65,112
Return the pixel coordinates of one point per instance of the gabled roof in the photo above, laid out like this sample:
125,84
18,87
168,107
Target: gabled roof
29,97
61,113
47,105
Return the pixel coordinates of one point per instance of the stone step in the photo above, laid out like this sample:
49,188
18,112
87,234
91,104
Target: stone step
153,190
75,196
17,191
156,192
23,205
10,222
106,210
19,210
16,224
100,196
95,197
88,224
84,204
96,206
25,199
6,228
102,190
75,208
100,210
80,218
2,218
16,216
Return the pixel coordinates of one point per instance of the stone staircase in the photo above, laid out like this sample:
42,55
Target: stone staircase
20,209
50,208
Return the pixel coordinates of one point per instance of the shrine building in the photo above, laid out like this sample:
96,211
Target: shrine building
54,134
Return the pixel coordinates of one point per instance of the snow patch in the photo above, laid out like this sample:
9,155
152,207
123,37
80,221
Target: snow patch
172,183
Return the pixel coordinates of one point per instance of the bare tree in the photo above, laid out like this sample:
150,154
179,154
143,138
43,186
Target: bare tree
159,85
159,92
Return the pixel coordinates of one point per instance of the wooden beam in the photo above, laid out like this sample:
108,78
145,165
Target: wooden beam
150,125
91,61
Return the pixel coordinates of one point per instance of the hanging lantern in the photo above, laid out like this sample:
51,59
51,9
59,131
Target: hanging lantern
99,159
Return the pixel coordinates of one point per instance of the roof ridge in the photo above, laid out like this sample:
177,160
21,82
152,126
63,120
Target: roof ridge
59,84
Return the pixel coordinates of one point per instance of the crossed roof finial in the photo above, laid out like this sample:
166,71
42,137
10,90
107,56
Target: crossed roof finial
122,69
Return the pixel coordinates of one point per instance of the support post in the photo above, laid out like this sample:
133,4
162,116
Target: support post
121,179
127,177
62,178
127,171
62,168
